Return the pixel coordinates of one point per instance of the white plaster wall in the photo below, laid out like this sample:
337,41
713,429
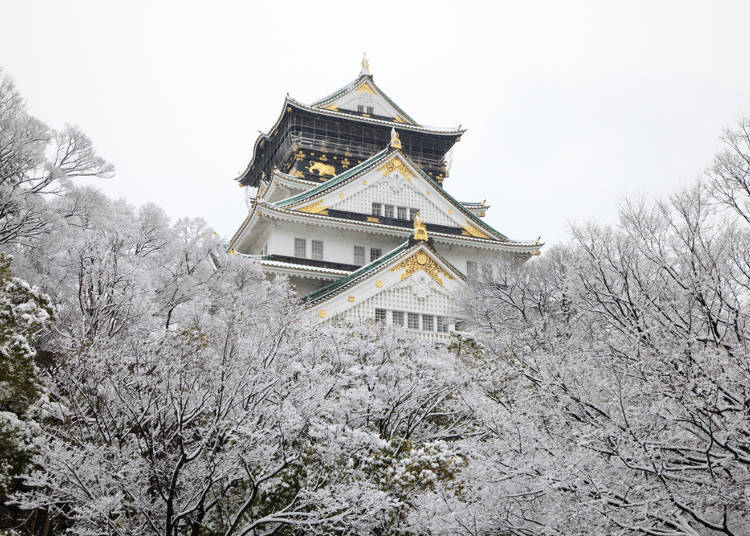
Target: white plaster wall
403,298
338,245
459,255
394,190
365,98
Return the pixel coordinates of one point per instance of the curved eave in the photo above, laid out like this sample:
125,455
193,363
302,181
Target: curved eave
378,228
283,180
245,223
475,205
374,121
290,102
303,270
293,179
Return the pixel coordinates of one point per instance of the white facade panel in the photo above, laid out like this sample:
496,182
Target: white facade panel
396,191
338,244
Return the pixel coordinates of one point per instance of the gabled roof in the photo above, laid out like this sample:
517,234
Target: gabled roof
364,80
291,104
322,293
338,179
375,266
376,159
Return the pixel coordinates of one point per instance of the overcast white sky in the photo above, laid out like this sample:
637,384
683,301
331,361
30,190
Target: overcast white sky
570,106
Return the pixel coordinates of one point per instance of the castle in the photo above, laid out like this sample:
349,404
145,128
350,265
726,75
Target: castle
349,204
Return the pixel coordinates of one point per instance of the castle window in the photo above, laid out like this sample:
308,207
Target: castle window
380,315
375,253
300,247
402,213
428,322
376,209
442,324
360,108
413,212
471,269
359,255
370,109
398,318
388,211
317,250
413,321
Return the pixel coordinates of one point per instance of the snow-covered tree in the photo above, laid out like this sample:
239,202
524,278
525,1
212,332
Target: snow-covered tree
24,312
188,396
614,379
36,160
602,389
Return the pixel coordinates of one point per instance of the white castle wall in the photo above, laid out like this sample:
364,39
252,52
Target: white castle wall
338,244
417,294
403,298
380,106
394,190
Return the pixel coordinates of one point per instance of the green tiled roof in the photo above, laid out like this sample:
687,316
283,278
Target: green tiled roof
377,263
334,286
460,205
330,183
370,161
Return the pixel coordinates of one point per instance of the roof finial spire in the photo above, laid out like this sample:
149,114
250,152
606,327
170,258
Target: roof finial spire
420,230
395,140
365,64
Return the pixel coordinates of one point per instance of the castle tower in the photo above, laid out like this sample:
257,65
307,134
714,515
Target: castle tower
350,206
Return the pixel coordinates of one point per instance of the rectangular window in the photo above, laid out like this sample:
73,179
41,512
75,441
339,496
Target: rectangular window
376,209
359,255
360,108
428,323
370,109
402,213
412,212
388,211
317,250
413,319
442,324
300,247
398,318
380,315
375,254
471,269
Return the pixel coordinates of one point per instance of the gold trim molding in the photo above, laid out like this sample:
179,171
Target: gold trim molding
396,164
314,208
471,230
421,261
366,88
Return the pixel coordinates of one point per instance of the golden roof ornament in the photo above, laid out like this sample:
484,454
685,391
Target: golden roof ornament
365,64
395,140
420,230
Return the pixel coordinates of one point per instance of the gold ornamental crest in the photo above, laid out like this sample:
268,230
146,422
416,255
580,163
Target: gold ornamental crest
420,261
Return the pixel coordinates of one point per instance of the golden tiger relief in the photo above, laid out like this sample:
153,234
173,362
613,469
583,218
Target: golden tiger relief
321,168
